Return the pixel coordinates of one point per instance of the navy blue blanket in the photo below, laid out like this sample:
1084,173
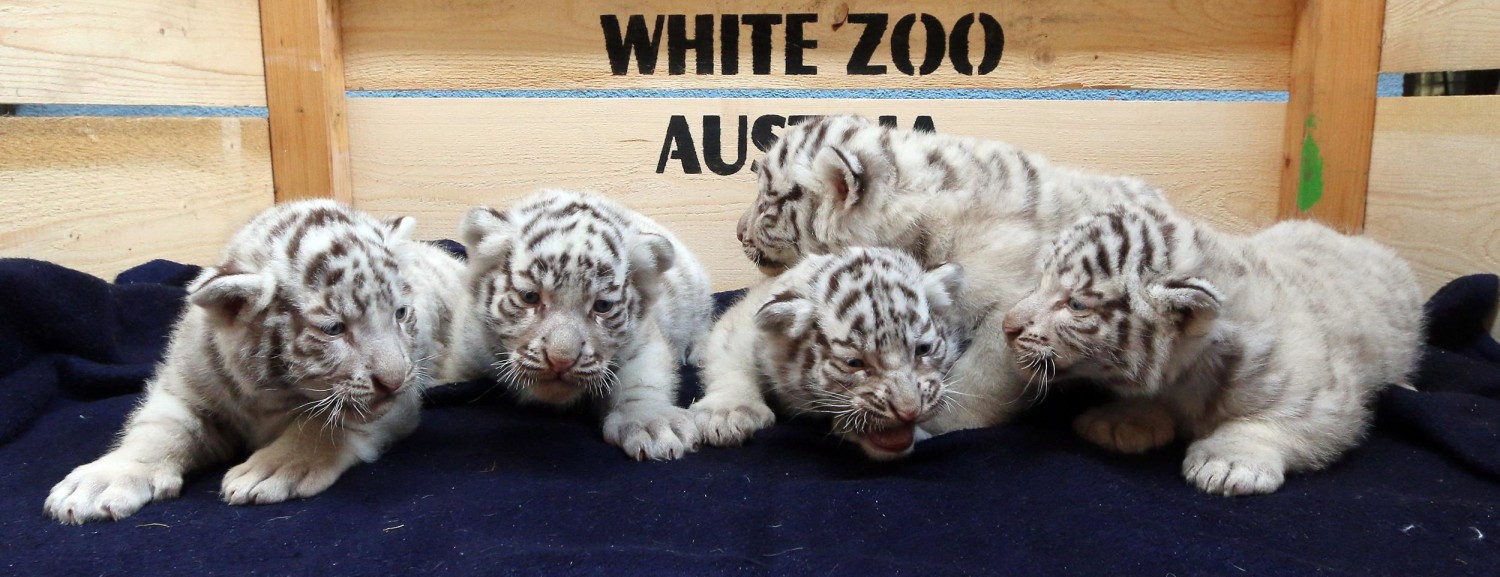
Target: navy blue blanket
486,487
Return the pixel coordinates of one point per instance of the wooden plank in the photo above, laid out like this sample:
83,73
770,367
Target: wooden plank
434,158
1435,185
178,52
103,194
481,44
305,99
1330,111
1441,35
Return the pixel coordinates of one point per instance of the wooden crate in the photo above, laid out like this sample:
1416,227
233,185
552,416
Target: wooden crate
103,193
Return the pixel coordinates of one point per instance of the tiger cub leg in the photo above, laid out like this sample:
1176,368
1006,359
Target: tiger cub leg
1250,456
733,406
163,439
640,415
308,456
1130,426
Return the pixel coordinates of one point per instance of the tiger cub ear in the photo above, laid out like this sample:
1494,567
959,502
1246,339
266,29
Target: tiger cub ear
841,172
486,233
787,314
231,295
398,227
651,256
942,285
1194,301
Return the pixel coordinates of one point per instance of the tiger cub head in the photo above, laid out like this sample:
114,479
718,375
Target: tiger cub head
1117,298
561,280
863,335
813,184
308,301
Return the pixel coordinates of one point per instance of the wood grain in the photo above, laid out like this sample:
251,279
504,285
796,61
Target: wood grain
1330,112
1435,185
305,99
484,44
1441,35
434,158
176,52
103,194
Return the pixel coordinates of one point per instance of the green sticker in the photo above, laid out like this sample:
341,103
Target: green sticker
1310,182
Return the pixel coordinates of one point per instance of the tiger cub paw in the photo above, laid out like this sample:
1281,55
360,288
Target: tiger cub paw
1226,468
1129,426
275,474
109,490
730,422
656,433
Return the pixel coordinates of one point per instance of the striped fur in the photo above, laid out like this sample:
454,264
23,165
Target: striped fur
308,344
576,297
1266,350
845,181
863,336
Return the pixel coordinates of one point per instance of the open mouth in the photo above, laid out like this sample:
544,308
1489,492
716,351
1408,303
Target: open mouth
896,441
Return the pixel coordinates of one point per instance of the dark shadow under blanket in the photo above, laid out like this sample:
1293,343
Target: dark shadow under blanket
485,487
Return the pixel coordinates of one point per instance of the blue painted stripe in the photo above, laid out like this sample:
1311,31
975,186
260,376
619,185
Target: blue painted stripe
138,110
1390,85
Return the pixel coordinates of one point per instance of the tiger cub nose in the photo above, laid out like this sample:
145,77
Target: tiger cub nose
1013,328
907,415
386,384
560,366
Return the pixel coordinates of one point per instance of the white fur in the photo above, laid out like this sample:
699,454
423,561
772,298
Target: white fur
982,204
1266,351
772,343
215,391
626,363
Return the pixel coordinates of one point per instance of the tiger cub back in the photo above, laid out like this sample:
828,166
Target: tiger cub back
865,336
1266,351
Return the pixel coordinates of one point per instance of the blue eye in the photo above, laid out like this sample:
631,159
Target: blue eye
602,306
332,329
924,349
1077,305
855,363
402,313
531,297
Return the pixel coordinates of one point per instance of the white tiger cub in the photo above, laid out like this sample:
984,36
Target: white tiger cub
862,335
308,344
1264,350
843,181
576,297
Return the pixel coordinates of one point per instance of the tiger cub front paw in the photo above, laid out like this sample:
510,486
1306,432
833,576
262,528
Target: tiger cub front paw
657,433
729,422
1233,467
1129,426
274,474
109,490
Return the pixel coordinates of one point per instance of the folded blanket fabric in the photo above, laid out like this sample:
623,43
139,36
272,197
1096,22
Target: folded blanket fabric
486,487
